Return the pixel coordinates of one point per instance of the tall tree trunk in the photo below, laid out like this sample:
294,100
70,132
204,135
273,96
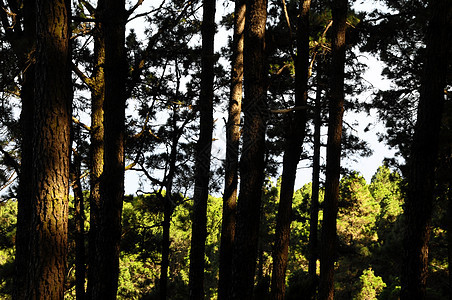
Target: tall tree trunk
96,151
232,155
168,210
293,147
76,183
252,161
203,151
424,152
333,154
113,18
314,214
24,203
51,150
168,205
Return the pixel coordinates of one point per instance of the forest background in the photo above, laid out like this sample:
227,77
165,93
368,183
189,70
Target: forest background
165,104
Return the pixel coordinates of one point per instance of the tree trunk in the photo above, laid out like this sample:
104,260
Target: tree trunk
96,151
424,152
24,193
252,161
165,245
232,156
168,205
333,155
51,150
203,153
293,147
314,220
113,19
75,175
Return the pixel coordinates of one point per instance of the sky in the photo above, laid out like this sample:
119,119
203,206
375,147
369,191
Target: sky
367,166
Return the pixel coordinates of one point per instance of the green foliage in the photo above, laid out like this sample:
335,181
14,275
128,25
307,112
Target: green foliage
8,213
370,286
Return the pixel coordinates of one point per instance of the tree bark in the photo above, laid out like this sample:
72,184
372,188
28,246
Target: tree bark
113,19
96,150
252,161
293,147
333,155
51,151
424,153
232,156
203,153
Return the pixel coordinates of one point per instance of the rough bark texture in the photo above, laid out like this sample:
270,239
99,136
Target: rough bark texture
314,214
252,160
96,151
113,18
203,153
51,149
424,153
333,154
293,146
232,156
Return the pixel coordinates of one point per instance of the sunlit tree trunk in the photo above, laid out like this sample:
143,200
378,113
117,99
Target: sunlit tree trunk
252,160
333,154
232,155
296,132
203,150
424,152
51,148
96,150
113,18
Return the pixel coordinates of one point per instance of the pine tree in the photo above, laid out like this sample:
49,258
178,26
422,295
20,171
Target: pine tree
51,149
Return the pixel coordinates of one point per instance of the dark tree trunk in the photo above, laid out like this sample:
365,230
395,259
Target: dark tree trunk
76,183
96,151
168,210
333,155
24,210
51,150
168,205
424,152
293,147
232,156
252,161
113,19
203,150
314,220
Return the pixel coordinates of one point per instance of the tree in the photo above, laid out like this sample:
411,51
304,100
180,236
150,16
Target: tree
203,152
296,127
252,160
51,150
336,110
21,34
113,16
424,152
79,203
232,155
